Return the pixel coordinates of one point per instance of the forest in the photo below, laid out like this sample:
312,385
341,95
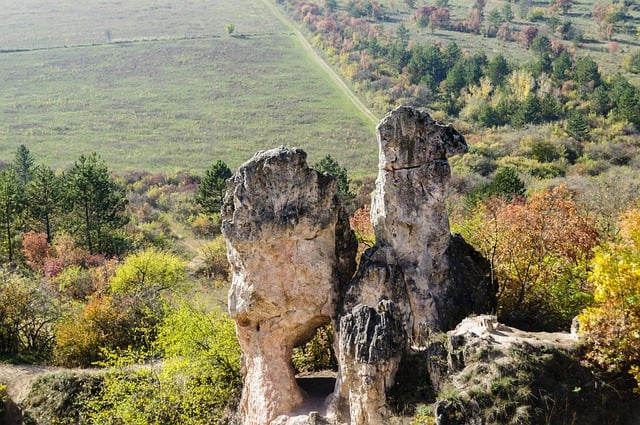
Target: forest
126,270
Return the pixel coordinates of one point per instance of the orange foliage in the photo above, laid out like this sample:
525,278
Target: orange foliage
81,337
361,224
36,249
538,250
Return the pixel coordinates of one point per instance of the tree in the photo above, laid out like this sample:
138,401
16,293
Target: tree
230,28
564,5
96,204
527,34
506,183
23,164
10,209
497,70
212,187
611,328
43,195
586,72
540,251
507,12
577,126
328,165
148,272
561,66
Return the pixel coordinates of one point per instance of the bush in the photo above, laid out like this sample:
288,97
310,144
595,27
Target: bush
27,314
3,398
611,329
214,264
196,384
81,337
317,354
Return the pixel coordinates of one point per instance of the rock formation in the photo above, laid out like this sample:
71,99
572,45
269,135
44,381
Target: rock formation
291,250
291,253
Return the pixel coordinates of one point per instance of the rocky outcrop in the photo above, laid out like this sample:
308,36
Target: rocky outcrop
291,251
412,268
408,210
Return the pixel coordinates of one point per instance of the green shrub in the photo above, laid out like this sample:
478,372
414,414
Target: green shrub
3,397
195,384
317,354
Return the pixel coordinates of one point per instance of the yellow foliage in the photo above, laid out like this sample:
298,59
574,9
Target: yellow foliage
521,83
612,327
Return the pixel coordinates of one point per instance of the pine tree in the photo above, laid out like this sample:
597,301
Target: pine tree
213,187
43,195
10,208
96,204
23,164
577,127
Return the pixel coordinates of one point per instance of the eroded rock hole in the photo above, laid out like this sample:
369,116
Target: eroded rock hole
315,363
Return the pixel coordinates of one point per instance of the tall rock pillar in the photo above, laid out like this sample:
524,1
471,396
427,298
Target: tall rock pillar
291,251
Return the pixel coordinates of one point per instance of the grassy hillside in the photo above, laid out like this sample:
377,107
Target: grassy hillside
170,89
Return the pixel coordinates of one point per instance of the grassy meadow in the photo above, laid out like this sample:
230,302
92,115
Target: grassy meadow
170,89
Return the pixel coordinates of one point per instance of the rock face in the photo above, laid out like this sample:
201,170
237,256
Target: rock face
291,250
409,207
411,269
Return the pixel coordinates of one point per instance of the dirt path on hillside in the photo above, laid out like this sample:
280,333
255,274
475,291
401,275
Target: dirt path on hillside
322,63
18,378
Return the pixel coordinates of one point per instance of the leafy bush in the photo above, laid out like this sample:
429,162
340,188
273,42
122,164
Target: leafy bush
28,312
317,354
195,385
214,263
81,337
538,251
3,397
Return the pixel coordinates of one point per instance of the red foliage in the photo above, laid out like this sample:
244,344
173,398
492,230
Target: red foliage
36,249
527,34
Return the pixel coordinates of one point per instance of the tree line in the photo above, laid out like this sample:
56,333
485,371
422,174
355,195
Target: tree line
390,68
85,202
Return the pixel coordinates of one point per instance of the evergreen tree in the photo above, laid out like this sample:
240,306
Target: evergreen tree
43,195
497,70
23,164
96,204
561,67
10,208
506,183
328,165
586,71
213,187
577,127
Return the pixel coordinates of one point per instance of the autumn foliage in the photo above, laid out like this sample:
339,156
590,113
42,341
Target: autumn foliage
538,250
611,328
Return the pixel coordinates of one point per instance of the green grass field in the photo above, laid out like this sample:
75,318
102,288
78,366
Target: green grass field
174,96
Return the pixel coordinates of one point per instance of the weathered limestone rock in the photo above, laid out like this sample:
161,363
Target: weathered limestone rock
292,257
413,266
371,345
291,251
408,210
